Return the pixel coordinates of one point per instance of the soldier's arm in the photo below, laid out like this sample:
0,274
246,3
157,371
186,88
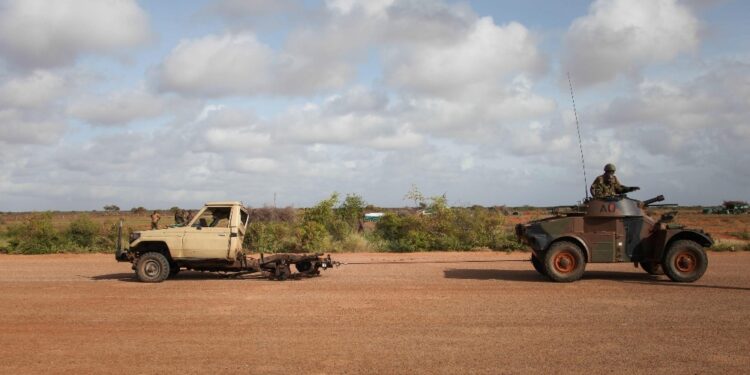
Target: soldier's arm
597,190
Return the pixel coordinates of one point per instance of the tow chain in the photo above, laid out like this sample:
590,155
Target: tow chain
426,262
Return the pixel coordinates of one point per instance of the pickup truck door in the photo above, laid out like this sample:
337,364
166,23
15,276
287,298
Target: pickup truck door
209,236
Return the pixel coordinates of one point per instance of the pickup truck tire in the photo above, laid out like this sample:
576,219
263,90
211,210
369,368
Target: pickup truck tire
303,267
685,261
152,267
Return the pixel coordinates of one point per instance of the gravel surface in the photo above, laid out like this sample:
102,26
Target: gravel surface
455,313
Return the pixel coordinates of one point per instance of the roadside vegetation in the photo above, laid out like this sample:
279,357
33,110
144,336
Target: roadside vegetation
335,224
35,234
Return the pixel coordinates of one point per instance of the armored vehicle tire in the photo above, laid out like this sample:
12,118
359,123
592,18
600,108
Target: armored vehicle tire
564,262
152,268
652,268
685,261
538,265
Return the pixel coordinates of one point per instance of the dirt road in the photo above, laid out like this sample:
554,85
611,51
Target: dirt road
441,313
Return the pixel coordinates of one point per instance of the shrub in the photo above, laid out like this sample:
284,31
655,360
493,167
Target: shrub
270,237
331,219
357,243
351,210
83,231
443,228
313,237
35,235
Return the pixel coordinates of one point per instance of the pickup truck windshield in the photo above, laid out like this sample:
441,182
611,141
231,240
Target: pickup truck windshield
217,217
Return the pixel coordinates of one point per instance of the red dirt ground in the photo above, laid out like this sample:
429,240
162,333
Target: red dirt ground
454,313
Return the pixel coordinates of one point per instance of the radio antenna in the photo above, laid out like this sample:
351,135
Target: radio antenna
580,143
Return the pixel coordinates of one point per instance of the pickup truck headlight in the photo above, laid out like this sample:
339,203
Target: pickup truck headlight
134,236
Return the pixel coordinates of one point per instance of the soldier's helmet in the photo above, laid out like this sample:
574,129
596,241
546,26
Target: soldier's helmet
609,167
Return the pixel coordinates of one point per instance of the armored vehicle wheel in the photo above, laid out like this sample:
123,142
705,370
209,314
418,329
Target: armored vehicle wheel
538,265
564,262
651,268
152,268
685,261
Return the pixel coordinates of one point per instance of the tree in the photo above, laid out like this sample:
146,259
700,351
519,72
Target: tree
111,208
415,195
352,209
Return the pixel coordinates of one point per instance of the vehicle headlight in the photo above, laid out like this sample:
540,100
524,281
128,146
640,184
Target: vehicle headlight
134,236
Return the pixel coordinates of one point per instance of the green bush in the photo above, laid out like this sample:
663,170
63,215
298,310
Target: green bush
440,227
270,237
351,210
312,237
35,235
83,231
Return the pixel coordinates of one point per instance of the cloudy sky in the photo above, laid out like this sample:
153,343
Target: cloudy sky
164,103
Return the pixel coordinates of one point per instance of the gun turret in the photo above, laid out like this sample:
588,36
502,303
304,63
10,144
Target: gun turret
653,200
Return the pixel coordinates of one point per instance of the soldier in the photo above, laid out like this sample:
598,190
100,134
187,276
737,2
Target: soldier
607,184
189,217
178,218
155,220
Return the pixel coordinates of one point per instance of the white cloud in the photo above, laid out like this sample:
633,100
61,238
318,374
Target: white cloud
237,64
369,7
622,36
229,64
34,90
485,57
39,34
19,128
256,165
698,122
119,108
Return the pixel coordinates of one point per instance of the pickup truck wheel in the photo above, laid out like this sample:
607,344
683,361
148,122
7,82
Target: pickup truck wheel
303,267
282,272
564,262
652,268
538,265
685,261
152,268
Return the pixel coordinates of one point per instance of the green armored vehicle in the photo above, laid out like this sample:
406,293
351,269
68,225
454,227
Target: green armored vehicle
611,230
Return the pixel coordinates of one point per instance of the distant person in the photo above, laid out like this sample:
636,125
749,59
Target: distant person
189,217
607,184
155,217
178,218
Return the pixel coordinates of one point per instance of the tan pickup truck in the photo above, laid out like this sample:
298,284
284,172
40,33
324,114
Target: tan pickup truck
211,241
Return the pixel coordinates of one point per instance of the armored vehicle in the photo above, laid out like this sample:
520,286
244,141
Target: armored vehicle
211,241
615,229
